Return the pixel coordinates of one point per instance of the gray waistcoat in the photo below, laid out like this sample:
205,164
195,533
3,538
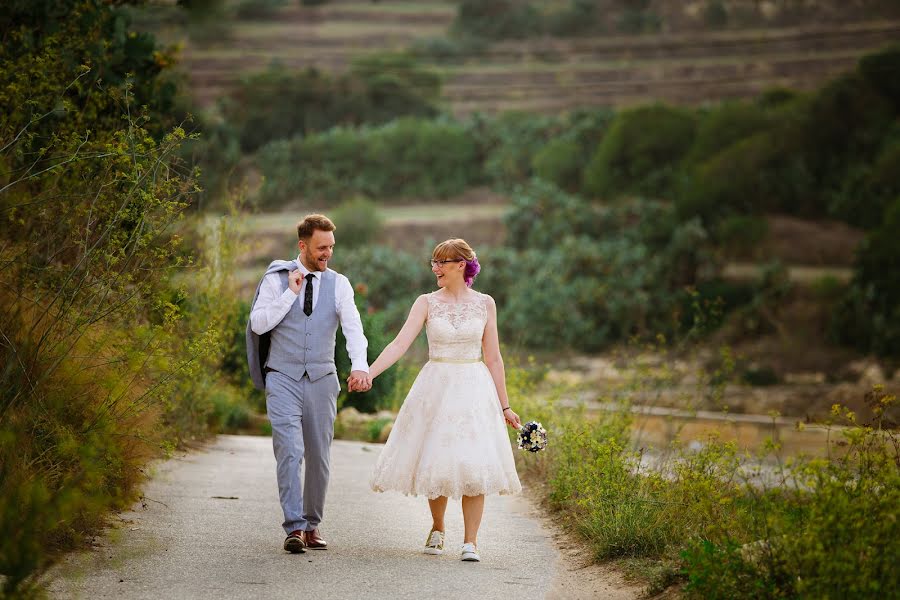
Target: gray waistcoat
301,344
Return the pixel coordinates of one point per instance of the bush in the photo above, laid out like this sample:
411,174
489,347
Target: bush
258,9
605,273
637,18
877,69
456,49
868,188
844,122
278,103
869,316
753,176
641,152
560,162
403,159
725,125
358,222
509,143
734,525
497,19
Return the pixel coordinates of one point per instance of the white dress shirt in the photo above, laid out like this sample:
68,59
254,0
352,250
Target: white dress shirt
272,305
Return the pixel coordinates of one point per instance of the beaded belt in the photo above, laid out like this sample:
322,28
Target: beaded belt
454,360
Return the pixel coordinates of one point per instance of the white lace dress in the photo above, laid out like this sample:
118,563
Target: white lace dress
449,438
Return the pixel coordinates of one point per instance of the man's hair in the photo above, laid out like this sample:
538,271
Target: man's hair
311,223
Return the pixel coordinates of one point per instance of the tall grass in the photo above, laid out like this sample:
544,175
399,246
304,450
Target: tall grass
725,523
107,357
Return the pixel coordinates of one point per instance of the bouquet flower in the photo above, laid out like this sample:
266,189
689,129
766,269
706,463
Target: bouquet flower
532,437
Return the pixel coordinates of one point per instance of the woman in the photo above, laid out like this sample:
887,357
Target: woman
448,439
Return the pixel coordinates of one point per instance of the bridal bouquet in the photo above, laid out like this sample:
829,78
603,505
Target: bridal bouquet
532,437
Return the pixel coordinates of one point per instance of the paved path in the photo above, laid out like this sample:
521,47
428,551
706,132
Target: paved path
210,527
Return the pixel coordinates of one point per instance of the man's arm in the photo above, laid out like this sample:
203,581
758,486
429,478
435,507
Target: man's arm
272,304
351,325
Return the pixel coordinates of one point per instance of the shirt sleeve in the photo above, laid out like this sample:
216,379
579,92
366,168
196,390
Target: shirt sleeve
351,324
271,305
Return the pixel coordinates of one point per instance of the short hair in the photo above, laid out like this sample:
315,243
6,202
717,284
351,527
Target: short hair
311,223
453,248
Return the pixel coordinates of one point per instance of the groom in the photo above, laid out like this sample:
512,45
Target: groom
290,348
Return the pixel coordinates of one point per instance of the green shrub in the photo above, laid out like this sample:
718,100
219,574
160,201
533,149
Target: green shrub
879,69
258,9
509,142
542,215
715,14
741,234
404,159
497,19
560,162
455,49
641,152
279,103
638,18
869,316
358,221
868,188
812,528
382,392
844,121
753,176
724,125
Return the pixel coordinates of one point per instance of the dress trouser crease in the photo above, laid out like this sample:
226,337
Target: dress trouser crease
302,414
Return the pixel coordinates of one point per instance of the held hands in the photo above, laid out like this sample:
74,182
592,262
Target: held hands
359,381
295,280
512,419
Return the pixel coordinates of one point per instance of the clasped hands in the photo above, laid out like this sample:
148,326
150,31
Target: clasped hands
359,381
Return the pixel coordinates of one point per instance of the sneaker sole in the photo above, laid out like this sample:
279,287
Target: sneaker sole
294,547
433,551
470,559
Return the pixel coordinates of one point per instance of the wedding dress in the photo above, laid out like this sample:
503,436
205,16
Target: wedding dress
449,438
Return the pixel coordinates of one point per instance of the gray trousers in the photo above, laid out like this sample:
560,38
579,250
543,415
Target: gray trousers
302,415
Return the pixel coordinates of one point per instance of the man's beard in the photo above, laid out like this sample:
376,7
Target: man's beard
312,264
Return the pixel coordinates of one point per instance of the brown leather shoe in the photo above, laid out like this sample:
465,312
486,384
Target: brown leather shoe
293,543
313,540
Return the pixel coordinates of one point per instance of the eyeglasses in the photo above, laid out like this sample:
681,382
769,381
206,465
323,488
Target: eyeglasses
444,262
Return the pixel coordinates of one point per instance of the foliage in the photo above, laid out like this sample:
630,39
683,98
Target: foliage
497,19
603,273
869,316
258,9
358,222
382,391
558,163
509,142
390,279
638,18
641,152
403,159
724,125
878,69
106,354
734,525
278,103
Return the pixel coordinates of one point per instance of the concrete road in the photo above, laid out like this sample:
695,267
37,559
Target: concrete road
210,527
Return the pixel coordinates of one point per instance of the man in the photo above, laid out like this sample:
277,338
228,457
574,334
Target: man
290,348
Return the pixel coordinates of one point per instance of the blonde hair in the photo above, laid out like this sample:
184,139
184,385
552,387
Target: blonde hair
453,248
311,223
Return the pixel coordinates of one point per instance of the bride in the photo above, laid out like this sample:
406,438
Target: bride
448,439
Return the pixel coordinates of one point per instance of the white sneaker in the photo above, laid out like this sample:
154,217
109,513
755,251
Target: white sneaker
469,553
435,542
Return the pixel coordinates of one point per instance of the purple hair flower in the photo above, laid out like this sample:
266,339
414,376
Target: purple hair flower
472,269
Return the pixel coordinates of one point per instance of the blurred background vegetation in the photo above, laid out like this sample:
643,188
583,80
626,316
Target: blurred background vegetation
712,173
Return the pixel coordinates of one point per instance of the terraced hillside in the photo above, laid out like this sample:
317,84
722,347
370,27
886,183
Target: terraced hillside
546,74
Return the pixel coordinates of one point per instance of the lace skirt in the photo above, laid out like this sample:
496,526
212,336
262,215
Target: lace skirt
449,438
